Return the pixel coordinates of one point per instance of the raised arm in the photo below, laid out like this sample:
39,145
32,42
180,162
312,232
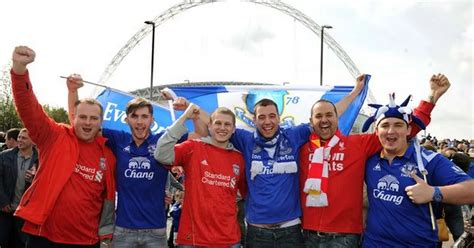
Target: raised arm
21,57
73,82
439,84
344,103
39,125
164,152
200,124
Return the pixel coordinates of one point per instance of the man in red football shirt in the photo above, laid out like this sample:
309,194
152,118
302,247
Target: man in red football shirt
214,172
73,191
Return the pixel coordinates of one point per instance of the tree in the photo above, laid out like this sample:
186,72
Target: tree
60,115
8,115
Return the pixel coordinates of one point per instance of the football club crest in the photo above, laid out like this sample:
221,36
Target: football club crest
277,96
236,169
151,149
407,169
285,149
341,146
256,149
102,165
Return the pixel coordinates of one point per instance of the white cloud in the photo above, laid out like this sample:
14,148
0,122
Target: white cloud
400,42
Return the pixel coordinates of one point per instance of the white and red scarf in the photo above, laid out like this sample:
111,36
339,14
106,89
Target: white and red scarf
316,184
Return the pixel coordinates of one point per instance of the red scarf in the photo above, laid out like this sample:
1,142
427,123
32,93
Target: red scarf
316,184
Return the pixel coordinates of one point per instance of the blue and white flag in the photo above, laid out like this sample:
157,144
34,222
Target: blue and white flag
115,103
294,103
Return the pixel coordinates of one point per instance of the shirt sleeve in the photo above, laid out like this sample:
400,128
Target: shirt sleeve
423,112
183,153
242,181
164,152
111,136
41,128
444,172
369,143
241,138
301,133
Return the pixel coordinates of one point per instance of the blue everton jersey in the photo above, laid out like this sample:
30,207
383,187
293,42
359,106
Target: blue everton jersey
140,181
393,220
272,174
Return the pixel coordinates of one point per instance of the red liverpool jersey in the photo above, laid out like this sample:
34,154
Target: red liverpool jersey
346,178
212,178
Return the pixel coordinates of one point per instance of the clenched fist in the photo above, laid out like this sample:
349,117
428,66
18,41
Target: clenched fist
22,56
439,84
74,82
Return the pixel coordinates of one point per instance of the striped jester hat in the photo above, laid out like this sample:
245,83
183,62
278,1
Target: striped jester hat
392,110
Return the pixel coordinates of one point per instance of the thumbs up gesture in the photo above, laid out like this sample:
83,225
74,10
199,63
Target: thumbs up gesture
421,192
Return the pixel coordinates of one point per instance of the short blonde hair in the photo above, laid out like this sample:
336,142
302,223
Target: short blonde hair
225,111
91,101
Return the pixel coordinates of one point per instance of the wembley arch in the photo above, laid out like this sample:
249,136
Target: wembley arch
189,4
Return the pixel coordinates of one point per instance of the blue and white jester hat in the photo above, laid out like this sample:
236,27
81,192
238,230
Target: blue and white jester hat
392,110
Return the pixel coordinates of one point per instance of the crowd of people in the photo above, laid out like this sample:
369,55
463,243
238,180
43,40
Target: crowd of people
82,185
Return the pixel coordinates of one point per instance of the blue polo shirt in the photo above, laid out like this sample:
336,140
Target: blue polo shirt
273,194
140,181
393,220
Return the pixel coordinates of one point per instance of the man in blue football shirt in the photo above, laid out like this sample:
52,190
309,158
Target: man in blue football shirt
398,214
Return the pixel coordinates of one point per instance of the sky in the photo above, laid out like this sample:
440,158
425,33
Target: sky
401,43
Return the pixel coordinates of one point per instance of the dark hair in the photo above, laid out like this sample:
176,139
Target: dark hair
91,101
461,160
265,102
326,101
226,111
429,147
12,134
454,149
137,103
